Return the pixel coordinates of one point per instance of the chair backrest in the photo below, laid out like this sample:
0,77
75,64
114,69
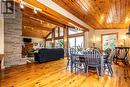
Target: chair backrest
75,58
93,57
107,51
112,55
122,52
73,51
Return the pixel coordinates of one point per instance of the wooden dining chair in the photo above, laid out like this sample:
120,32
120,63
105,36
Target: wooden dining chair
107,51
108,62
121,54
93,59
69,58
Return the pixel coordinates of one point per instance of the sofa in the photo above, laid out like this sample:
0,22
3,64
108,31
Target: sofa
49,54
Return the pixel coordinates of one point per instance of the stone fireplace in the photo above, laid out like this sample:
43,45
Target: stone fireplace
13,39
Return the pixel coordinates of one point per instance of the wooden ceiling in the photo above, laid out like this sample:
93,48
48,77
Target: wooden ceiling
50,15
41,24
100,14
33,26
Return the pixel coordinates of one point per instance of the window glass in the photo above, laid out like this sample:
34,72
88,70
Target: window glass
74,31
56,32
48,44
109,41
79,41
50,36
59,43
61,31
76,42
71,42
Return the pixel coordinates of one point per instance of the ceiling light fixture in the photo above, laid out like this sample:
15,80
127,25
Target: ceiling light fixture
21,4
35,11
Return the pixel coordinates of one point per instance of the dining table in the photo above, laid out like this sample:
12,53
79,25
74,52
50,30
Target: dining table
103,58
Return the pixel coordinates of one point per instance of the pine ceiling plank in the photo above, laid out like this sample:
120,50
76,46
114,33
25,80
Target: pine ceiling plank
114,12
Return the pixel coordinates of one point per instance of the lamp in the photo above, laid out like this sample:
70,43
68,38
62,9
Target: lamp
124,39
35,10
128,33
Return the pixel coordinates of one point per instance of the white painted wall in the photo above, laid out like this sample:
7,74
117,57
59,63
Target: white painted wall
40,43
37,42
89,38
121,34
1,36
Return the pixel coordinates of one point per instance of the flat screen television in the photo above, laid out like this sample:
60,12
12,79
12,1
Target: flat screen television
27,40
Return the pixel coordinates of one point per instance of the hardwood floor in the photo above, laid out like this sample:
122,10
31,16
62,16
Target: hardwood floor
54,74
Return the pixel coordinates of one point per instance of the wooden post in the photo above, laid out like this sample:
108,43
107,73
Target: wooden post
58,31
53,38
44,42
2,61
66,40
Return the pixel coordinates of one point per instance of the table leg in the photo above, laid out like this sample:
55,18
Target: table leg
102,66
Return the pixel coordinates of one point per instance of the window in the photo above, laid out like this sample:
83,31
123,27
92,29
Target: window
48,44
71,42
56,32
79,41
109,41
74,31
76,42
59,43
61,31
50,36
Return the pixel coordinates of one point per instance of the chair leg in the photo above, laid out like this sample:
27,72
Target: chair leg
67,64
115,60
97,69
100,70
87,69
75,67
110,70
71,66
84,67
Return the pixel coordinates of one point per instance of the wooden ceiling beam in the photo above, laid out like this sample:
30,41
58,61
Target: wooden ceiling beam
35,25
44,25
34,33
51,14
29,24
35,28
29,12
